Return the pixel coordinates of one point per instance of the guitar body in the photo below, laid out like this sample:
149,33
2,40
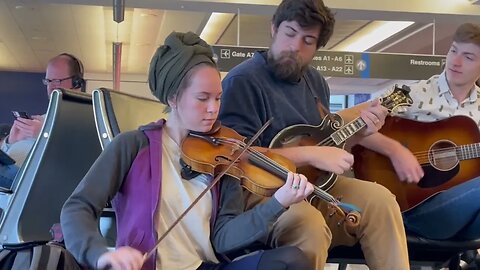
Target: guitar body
308,135
428,138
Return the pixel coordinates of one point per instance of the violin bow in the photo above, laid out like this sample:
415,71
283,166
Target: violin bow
208,188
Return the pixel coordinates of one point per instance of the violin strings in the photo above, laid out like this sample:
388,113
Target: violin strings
318,191
275,165
258,155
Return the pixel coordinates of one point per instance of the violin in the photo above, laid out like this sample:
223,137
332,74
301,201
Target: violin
223,151
260,171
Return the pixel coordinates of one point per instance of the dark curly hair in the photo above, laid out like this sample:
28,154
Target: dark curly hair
307,13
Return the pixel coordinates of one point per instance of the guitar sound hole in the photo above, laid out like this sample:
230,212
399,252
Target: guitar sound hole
443,156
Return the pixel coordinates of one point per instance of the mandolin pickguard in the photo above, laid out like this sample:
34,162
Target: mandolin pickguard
308,135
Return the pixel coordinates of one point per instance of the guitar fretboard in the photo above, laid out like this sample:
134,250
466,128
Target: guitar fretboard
468,151
347,131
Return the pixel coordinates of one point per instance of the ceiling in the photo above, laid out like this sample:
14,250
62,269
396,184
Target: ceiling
32,31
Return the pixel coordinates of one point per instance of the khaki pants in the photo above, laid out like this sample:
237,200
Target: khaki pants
381,232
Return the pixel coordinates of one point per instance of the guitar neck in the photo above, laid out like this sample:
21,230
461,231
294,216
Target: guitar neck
347,131
468,151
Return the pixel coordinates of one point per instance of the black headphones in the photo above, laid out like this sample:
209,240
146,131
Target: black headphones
76,67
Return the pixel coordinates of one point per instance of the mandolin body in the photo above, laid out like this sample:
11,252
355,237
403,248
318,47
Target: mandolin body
309,135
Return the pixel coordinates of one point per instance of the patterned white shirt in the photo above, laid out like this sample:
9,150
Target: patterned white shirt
433,101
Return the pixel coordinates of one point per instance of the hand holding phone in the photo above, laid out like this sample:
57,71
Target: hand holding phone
21,114
24,127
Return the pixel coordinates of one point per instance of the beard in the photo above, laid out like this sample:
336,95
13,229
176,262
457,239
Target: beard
287,66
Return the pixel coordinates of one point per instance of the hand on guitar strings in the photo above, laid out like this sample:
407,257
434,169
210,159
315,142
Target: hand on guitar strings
406,165
374,116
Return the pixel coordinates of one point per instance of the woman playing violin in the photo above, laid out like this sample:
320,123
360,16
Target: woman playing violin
140,173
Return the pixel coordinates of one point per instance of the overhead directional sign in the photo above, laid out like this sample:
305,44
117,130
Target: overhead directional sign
349,64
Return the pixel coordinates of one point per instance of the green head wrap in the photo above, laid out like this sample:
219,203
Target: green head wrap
173,60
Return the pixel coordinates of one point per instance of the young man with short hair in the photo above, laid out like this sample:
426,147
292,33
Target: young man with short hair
453,92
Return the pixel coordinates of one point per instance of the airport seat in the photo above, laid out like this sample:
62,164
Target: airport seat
117,112
422,252
62,154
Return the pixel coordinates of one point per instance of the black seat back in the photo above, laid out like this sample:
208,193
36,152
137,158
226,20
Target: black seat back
117,112
62,154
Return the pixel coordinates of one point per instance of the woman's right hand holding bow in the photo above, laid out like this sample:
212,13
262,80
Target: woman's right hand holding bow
123,258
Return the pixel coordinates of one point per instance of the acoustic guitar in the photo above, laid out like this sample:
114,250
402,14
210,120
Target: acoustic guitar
332,132
447,150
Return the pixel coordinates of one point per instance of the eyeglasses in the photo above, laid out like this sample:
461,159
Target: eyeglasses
55,81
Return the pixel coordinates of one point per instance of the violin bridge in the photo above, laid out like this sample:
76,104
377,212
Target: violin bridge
234,149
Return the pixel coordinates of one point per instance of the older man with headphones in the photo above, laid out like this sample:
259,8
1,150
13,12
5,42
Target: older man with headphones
63,71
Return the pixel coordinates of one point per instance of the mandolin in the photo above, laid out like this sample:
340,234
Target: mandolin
448,151
332,132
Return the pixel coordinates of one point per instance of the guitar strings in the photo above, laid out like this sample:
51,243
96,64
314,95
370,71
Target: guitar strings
424,156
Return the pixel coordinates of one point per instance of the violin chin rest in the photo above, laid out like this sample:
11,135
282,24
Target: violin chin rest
186,172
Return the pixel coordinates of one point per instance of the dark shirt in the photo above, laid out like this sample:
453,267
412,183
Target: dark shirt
252,95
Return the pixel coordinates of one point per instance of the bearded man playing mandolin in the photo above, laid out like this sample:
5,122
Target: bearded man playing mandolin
280,83
453,93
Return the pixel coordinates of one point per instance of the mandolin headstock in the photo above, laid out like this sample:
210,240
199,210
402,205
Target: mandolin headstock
398,97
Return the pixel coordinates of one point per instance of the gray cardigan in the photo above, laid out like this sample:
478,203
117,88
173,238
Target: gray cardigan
111,177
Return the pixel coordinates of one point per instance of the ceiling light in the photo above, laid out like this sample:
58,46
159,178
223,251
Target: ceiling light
372,34
143,44
38,38
148,15
215,26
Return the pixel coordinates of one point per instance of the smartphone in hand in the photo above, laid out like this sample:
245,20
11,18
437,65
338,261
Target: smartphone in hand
21,114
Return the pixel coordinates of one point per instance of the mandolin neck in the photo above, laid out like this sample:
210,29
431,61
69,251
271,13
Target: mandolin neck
347,131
